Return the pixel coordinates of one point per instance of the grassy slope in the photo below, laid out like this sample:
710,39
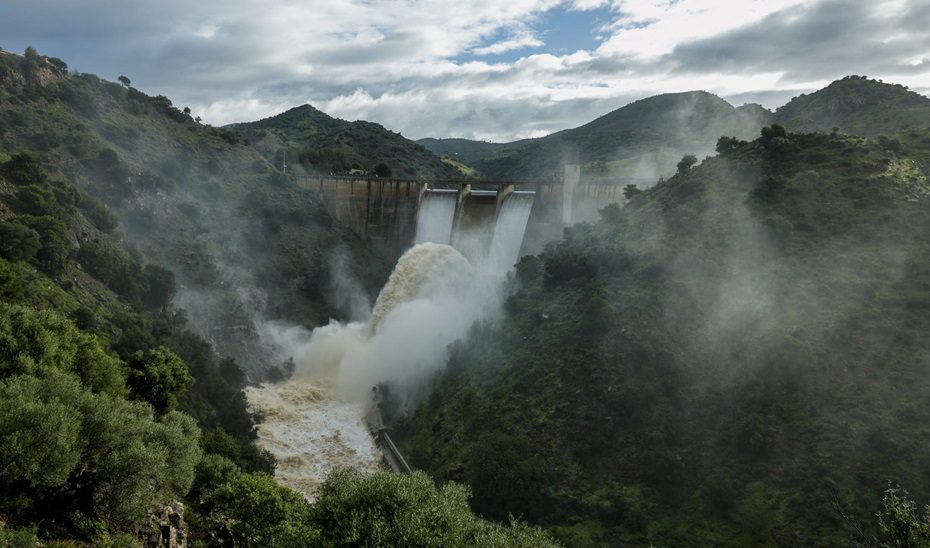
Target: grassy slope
710,365
328,144
191,198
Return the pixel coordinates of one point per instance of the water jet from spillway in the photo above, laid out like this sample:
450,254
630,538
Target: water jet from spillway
509,231
314,422
426,270
436,216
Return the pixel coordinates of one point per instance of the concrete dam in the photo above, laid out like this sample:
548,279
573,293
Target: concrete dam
388,211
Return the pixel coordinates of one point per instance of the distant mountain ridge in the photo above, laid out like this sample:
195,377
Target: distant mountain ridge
858,106
323,144
640,141
468,151
644,139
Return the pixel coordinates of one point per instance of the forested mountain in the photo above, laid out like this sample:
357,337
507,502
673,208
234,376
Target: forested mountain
471,152
639,142
642,141
135,245
323,144
738,356
191,198
858,106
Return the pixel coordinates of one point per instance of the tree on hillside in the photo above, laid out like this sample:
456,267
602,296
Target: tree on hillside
124,80
771,132
18,242
161,287
611,213
900,522
24,168
383,170
40,429
386,509
32,56
630,191
38,341
64,449
259,512
686,163
890,145
60,66
159,377
726,145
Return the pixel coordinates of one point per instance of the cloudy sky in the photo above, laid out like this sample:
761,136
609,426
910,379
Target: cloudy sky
483,69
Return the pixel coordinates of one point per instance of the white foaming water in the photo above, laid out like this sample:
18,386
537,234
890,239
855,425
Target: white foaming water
428,270
509,231
314,422
436,215
311,434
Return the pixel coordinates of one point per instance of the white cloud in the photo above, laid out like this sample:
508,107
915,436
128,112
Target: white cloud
411,65
587,5
647,28
523,40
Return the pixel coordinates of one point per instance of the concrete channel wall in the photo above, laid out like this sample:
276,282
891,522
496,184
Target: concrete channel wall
390,454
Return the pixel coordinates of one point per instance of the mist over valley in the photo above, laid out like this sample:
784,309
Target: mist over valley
625,289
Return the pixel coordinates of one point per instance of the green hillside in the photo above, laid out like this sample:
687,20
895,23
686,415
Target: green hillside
244,243
469,152
107,401
857,106
642,142
739,356
119,423
323,144
637,143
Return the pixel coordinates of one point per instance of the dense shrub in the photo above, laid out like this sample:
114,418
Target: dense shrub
259,512
901,523
52,257
24,168
114,267
386,509
159,377
242,452
18,242
64,447
98,214
34,341
161,287
37,201
76,93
